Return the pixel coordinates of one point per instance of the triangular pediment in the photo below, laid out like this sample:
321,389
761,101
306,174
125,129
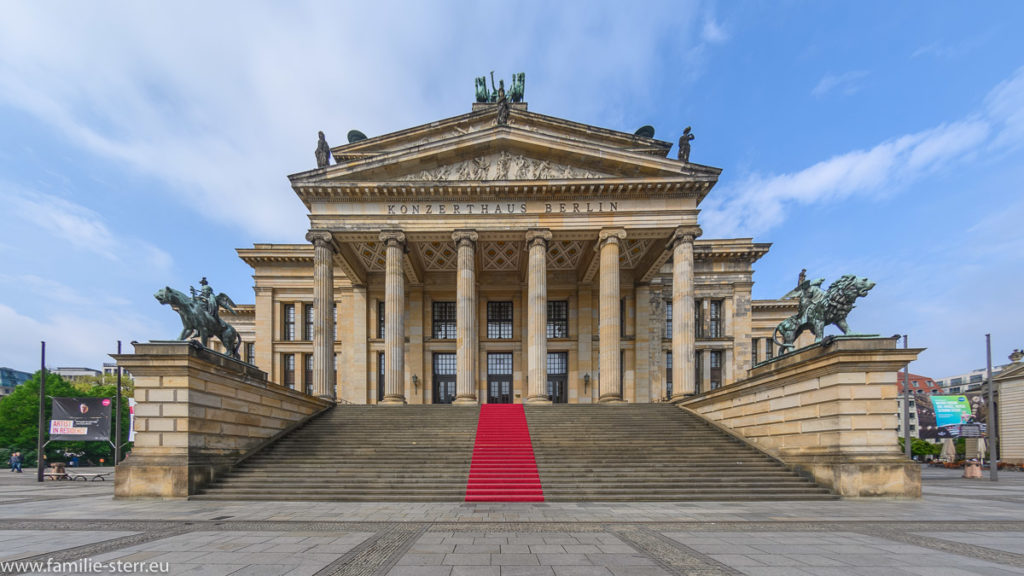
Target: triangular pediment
504,153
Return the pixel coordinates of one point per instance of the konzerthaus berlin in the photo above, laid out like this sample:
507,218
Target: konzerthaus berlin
519,258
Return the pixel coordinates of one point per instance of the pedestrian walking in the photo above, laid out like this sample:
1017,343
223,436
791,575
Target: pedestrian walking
16,462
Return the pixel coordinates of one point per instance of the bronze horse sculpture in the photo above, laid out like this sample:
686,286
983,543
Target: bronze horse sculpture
197,320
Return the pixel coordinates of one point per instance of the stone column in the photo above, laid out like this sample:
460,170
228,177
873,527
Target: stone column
537,327
323,314
683,335
466,332
609,325
394,318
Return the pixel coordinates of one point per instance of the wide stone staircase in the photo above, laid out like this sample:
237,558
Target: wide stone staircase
648,452
367,453
583,452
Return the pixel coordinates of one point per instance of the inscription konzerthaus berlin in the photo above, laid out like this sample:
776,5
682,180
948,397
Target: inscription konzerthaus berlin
524,258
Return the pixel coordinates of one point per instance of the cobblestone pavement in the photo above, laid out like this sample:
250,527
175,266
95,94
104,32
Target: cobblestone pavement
960,527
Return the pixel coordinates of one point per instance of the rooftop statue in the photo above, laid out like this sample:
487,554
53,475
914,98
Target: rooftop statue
200,315
323,152
516,90
684,145
819,308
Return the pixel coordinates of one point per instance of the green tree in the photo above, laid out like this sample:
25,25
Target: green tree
19,419
921,448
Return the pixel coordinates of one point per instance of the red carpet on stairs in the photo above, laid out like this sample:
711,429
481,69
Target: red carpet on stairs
503,468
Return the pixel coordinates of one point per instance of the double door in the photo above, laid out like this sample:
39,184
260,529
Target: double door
444,378
499,378
558,377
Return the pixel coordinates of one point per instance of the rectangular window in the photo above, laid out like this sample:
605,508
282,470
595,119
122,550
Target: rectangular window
289,322
250,352
558,319
668,319
668,374
307,375
443,314
716,370
307,310
753,351
499,320
334,327
622,318
698,318
380,376
715,319
975,378
289,371
698,371
769,348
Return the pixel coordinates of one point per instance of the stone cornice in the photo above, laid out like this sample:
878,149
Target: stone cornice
742,249
276,254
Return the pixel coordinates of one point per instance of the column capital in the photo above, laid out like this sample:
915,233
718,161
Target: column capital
686,234
320,238
396,236
460,236
541,235
611,235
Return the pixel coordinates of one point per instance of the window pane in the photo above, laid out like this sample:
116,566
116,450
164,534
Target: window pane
289,322
499,320
558,319
444,320
668,319
499,364
444,364
558,363
380,319
308,311
289,370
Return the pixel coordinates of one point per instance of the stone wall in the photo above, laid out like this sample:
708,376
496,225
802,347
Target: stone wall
828,411
198,413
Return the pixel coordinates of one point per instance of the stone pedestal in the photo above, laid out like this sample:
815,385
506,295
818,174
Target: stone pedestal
467,335
610,328
537,337
198,413
394,318
827,411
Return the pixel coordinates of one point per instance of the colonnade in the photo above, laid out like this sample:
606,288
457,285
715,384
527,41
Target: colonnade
467,334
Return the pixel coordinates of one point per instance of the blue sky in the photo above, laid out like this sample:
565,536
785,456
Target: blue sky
141,143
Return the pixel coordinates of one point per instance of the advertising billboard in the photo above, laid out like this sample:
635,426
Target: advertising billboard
942,416
81,419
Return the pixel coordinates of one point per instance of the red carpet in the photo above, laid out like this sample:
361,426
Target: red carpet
503,468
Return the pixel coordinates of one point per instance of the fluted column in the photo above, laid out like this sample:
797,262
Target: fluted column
536,319
394,318
323,313
466,332
611,385
683,334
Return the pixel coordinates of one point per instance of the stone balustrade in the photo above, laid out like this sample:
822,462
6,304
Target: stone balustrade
828,411
198,412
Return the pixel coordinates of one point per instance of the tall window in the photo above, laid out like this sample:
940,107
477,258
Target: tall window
668,374
753,351
622,318
289,371
558,319
443,314
289,322
307,375
380,376
698,372
380,319
307,310
334,327
250,352
499,320
698,318
715,319
716,369
769,348
668,319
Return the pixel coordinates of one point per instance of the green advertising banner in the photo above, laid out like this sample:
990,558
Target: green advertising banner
951,410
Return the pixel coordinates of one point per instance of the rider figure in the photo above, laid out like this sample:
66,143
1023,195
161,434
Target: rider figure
205,296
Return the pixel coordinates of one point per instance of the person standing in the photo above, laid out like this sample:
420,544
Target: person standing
16,462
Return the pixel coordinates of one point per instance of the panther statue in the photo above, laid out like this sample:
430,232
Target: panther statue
819,309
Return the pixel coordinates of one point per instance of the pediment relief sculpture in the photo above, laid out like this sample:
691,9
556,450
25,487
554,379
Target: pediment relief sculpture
501,166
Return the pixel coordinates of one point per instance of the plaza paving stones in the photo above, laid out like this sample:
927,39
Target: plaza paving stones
960,527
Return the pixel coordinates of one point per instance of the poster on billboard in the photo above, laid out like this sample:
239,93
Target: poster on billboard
131,419
80,419
943,416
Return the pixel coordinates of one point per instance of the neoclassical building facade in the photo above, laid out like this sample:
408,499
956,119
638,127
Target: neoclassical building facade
530,259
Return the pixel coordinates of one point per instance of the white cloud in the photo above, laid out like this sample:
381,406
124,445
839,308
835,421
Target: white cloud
760,202
713,32
847,83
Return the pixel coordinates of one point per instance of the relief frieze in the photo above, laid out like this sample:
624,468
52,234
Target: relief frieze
501,166
499,208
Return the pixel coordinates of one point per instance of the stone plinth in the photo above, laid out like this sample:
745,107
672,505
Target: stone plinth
198,413
828,411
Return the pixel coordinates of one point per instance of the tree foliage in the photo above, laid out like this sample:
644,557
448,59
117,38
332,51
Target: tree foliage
19,421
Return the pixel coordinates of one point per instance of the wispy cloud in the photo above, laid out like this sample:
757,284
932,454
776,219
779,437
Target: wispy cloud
847,83
713,32
760,202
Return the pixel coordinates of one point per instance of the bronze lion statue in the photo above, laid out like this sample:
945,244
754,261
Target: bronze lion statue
819,309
